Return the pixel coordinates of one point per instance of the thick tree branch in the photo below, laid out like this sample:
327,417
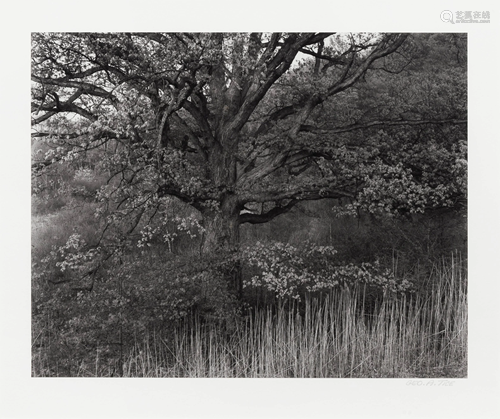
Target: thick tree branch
267,216
85,87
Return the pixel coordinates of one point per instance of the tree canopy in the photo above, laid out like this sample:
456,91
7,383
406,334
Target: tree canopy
244,126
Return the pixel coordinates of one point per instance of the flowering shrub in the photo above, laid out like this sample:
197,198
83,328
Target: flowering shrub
289,271
74,254
169,228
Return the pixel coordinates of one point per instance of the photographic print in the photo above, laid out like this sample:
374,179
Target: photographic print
249,205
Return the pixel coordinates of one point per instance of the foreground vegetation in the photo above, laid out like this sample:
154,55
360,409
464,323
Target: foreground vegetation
421,334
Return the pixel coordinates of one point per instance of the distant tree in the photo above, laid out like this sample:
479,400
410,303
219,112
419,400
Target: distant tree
243,127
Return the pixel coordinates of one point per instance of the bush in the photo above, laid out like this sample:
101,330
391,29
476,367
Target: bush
292,272
121,306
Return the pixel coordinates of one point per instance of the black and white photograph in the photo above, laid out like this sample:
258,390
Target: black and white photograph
287,218
249,205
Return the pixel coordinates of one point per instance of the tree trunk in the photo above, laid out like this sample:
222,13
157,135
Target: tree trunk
221,238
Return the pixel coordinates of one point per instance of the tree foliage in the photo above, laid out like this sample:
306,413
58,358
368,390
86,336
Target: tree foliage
243,127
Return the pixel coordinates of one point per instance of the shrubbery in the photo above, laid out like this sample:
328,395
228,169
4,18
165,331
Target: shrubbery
121,305
292,271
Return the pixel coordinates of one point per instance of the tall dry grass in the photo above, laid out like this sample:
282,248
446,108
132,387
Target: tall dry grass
419,335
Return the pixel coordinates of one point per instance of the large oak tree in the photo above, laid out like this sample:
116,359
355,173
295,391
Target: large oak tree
243,127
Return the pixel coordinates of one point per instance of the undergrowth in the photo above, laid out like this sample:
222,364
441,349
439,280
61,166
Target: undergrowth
338,334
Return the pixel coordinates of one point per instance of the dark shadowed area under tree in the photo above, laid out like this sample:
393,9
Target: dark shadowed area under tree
249,204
